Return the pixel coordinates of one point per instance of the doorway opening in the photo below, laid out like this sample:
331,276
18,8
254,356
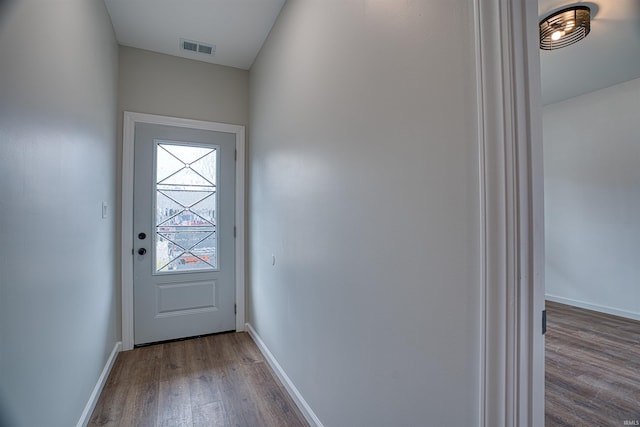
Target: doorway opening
591,188
235,216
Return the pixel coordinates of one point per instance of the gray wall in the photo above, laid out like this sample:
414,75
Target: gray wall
58,85
592,200
155,83
364,185
170,86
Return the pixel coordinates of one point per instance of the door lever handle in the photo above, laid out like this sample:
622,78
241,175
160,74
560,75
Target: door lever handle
142,251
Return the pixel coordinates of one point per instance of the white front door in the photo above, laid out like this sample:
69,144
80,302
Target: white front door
183,222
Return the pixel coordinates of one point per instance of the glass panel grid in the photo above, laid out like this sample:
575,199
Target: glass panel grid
185,196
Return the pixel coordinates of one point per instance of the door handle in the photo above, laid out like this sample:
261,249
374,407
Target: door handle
142,251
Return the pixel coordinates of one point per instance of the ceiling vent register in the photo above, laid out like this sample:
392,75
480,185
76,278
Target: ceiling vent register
197,47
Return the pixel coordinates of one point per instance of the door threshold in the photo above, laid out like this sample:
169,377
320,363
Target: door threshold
181,339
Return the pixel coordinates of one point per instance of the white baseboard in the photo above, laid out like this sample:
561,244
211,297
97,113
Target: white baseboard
93,399
304,407
594,307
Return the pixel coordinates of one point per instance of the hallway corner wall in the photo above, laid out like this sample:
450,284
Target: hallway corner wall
365,282
58,282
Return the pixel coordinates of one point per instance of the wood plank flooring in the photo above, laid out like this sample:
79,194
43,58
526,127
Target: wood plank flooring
592,368
217,380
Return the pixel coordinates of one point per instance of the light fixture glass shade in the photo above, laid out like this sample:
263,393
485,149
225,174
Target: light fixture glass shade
565,27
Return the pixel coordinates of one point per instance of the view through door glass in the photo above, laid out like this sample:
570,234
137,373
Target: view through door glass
185,225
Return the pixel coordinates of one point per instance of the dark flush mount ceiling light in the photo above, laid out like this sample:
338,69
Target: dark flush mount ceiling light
565,27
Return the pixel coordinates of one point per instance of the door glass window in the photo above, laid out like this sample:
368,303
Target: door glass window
185,207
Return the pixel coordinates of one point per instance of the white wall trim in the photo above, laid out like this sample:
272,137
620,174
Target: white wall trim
130,119
102,379
512,234
304,407
594,307
482,407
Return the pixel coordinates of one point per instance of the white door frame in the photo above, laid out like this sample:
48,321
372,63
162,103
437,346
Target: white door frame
512,212
130,120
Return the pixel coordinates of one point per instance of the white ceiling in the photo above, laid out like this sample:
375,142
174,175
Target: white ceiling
609,55
237,28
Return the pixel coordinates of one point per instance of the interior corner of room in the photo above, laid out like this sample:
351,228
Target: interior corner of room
590,174
590,93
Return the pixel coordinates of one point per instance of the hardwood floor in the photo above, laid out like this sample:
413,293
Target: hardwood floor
217,380
592,368
592,379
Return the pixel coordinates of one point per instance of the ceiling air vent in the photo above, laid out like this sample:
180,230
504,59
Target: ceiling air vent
203,48
197,47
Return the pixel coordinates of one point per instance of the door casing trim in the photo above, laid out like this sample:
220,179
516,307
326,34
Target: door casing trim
128,134
512,213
